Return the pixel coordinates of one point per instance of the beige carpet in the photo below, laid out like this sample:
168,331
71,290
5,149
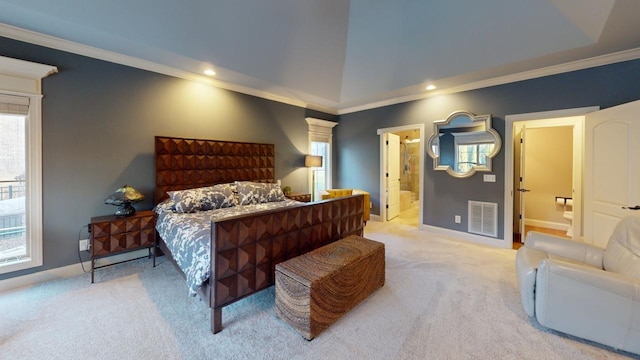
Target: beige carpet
443,299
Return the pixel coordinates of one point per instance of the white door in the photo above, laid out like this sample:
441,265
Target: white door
392,142
612,169
522,189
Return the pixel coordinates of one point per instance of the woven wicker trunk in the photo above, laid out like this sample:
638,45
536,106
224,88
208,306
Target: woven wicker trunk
315,289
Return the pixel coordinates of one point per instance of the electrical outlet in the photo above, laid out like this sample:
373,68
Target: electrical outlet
84,245
457,219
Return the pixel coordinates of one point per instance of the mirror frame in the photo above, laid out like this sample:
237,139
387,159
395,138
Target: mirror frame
486,119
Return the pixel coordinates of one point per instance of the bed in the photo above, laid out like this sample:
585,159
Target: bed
243,247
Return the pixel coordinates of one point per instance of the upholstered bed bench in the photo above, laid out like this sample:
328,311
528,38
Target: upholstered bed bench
315,289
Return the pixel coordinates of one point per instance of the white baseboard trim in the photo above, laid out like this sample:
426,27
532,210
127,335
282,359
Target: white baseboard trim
65,271
465,236
373,217
546,224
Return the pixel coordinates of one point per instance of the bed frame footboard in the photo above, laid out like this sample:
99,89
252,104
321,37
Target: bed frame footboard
245,249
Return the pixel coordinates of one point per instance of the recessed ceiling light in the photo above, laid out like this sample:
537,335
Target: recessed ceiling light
209,72
431,87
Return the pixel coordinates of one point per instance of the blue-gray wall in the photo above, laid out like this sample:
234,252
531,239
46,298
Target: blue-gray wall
99,122
357,143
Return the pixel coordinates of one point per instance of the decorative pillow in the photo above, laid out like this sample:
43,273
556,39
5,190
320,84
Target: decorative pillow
186,201
234,188
165,206
216,197
275,193
256,193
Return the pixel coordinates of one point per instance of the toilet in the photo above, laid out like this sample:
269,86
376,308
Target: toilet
568,214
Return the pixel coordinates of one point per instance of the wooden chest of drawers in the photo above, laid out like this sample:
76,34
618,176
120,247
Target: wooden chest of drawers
111,235
303,197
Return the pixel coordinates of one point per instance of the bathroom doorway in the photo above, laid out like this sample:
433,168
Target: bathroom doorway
547,176
410,160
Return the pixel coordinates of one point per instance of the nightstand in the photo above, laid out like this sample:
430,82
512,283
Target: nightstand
299,196
111,235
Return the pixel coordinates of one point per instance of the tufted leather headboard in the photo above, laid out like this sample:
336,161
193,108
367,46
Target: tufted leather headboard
189,163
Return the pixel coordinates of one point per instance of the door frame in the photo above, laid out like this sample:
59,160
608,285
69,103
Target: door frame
543,119
383,199
392,166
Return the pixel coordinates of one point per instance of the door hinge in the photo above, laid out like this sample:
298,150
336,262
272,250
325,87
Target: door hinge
387,175
521,141
387,206
520,178
387,142
520,216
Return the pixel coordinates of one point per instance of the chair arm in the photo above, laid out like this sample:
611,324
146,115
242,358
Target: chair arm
367,200
601,280
570,249
527,260
587,302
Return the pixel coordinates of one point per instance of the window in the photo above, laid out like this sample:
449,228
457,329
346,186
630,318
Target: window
320,136
13,118
471,149
319,176
469,155
21,164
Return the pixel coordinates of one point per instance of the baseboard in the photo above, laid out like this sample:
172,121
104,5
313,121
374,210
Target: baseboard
465,236
546,224
374,217
65,271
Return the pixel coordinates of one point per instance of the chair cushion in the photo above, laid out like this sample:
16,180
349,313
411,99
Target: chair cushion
622,254
339,192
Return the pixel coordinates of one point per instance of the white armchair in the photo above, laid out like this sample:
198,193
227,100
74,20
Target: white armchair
584,290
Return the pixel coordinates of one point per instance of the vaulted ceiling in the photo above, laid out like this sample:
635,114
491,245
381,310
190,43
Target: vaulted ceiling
339,55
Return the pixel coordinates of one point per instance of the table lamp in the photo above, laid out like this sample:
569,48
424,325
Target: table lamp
123,197
313,161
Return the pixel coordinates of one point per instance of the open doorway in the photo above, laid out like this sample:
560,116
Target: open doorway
543,176
544,173
401,178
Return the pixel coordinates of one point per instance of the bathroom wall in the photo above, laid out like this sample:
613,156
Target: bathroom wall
410,162
548,173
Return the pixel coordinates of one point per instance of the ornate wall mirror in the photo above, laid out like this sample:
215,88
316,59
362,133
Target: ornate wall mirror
463,143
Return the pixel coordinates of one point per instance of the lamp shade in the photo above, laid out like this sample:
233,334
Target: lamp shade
313,161
123,197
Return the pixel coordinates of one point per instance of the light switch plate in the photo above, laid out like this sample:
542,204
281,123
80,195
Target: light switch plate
489,178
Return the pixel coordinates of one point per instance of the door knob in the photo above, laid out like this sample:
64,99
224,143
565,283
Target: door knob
523,190
637,207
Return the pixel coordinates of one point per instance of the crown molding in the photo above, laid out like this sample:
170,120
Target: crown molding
25,69
96,53
23,77
595,61
56,43
320,122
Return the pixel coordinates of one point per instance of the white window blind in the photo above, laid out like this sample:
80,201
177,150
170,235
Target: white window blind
14,244
14,105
